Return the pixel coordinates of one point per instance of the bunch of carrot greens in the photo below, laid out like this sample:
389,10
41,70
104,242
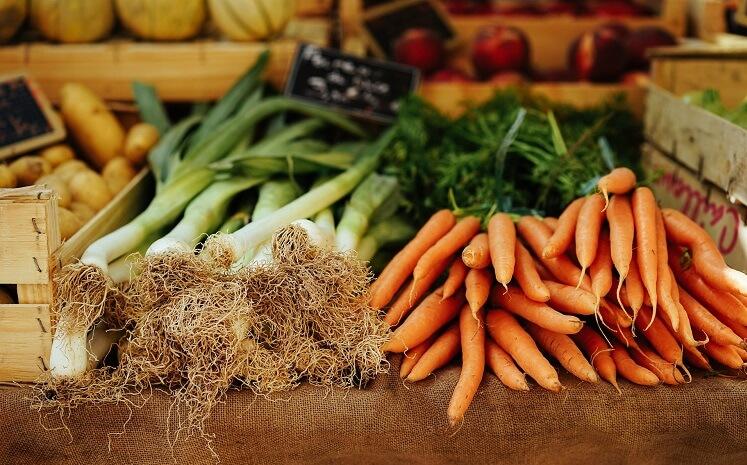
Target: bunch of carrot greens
652,279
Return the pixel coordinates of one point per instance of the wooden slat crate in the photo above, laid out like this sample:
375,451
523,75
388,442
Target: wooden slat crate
29,255
314,7
707,18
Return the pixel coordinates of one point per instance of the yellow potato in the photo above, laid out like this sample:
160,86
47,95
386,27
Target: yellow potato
58,154
94,127
90,188
70,168
7,177
68,223
30,168
117,173
140,139
59,186
82,211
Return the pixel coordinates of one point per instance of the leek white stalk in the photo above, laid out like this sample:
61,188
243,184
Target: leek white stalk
100,342
393,230
366,199
325,219
273,195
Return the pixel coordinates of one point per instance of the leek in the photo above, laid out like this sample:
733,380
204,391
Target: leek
393,230
273,195
366,199
325,219
240,216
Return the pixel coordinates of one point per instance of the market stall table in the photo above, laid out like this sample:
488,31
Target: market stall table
388,423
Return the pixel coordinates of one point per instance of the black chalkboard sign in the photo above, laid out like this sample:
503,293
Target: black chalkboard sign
26,117
363,87
382,26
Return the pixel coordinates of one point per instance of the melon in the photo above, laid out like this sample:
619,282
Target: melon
72,21
251,20
162,19
12,15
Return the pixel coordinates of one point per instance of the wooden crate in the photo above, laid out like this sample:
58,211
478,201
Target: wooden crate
707,18
712,147
683,69
314,7
29,255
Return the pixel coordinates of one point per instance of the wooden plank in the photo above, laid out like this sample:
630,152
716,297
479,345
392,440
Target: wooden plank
25,342
42,293
314,7
708,144
707,18
24,252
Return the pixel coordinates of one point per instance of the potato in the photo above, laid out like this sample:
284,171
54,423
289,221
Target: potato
30,168
94,127
140,139
68,223
90,188
7,177
82,211
59,186
58,154
117,173
70,168
5,297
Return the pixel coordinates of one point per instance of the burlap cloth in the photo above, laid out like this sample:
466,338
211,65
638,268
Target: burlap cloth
703,423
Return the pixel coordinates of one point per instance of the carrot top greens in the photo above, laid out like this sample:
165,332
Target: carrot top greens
514,153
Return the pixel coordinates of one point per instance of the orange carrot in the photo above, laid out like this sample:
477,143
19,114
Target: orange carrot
725,355
696,358
742,298
665,371
411,357
634,287
551,222
477,288
526,275
664,278
443,349
403,264
630,370
659,336
742,353
618,181
447,246
516,302
504,367
536,235
502,238
511,337
644,214
543,272
739,329
473,364
570,299
562,236
619,315
625,336
565,351
622,232
702,319
588,227
599,354
427,318
457,272
707,259
601,268
477,252
411,295
720,302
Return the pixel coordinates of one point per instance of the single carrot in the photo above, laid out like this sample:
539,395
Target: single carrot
511,337
447,246
411,357
618,314
659,336
725,355
565,351
477,252
527,276
664,277
625,336
432,314
504,367
477,288
403,264
551,222
665,371
411,295
536,235
502,238
707,259
600,270
634,287
738,328
644,214
702,319
543,272
517,303
599,354
630,370
618,181
569,299
588,228
444,348
696,358
742,298
473,364
742,353
561,238
457,272
622,232
718,301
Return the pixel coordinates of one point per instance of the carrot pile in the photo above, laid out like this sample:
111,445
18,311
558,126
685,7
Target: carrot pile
614,287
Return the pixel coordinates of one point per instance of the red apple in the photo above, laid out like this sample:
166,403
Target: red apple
449,75
644,38
421,48
508,78
614,9
562,7
638,78
518,10
620,29
598,56
500,48
469,7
